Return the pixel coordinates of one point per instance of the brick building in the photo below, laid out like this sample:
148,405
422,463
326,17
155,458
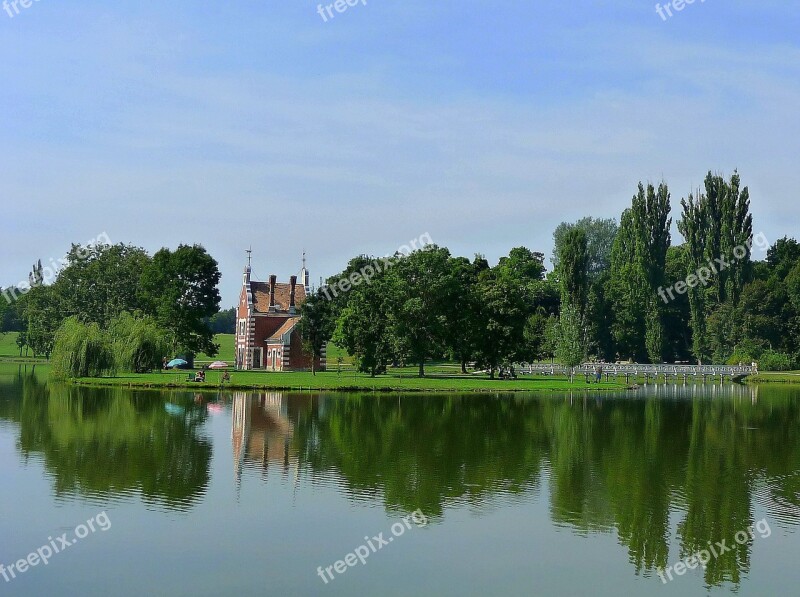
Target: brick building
267,334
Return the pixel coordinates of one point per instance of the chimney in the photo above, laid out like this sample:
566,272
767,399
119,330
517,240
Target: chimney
272,280
293,283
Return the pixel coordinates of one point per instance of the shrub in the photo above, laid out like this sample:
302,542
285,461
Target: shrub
741,356
775,361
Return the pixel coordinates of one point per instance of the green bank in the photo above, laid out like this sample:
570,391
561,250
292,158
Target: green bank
344,381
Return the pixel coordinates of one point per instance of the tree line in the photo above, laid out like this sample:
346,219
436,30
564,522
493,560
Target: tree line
116,306
618,291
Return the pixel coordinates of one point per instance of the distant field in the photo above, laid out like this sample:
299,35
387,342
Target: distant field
8,347
227,351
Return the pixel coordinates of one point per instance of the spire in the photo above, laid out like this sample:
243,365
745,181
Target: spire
305,278
248,269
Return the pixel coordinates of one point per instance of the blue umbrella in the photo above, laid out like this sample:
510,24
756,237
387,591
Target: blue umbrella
176,363
174,409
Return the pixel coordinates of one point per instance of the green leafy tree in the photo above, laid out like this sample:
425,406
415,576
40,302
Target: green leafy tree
716,224
651,209
463,332
139,345
179,288
424,305
600,235
627,291
81,350
316,325
502,314
363,326
223,322
638,274
573,270
41,315
676,314
101,281
570,345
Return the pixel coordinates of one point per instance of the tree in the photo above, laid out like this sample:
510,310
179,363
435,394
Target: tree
180,290
638,263
570,347
717,225
676,314
651,212
41,315
363,326
462,334
573,270
101,281
600,235
424,304
600,319
502,313
223,322
316,325
81,350
627,291
139,345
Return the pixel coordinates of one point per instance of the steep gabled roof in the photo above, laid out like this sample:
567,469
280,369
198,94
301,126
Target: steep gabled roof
286,328
282,294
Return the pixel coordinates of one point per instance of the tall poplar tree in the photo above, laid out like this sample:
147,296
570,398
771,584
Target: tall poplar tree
718,228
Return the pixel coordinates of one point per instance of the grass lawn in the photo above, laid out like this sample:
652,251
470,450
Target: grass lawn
227,351
8,346
9,351
349,381
775,377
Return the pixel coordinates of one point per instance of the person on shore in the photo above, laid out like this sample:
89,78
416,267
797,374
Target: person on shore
598,373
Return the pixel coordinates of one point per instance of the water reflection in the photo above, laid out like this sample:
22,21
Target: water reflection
668,469
262,433
109,444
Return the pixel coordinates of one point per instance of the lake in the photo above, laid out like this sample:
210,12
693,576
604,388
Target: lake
671,490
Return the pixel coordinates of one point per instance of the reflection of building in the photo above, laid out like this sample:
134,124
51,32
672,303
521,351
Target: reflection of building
262,432
267,331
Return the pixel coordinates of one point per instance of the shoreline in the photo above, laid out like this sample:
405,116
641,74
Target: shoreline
500,388
330,381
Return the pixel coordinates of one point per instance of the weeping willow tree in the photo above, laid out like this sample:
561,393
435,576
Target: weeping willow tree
138,344
81,350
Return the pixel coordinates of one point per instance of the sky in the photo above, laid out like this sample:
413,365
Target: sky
483,124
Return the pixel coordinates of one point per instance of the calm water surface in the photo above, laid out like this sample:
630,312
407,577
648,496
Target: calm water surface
249,493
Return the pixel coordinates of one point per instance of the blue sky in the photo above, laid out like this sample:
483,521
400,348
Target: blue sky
483,124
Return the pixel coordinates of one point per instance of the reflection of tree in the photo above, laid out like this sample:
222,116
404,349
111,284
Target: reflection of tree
101,442
423,453
613,464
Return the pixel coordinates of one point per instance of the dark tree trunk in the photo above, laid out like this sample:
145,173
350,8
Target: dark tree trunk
422,368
